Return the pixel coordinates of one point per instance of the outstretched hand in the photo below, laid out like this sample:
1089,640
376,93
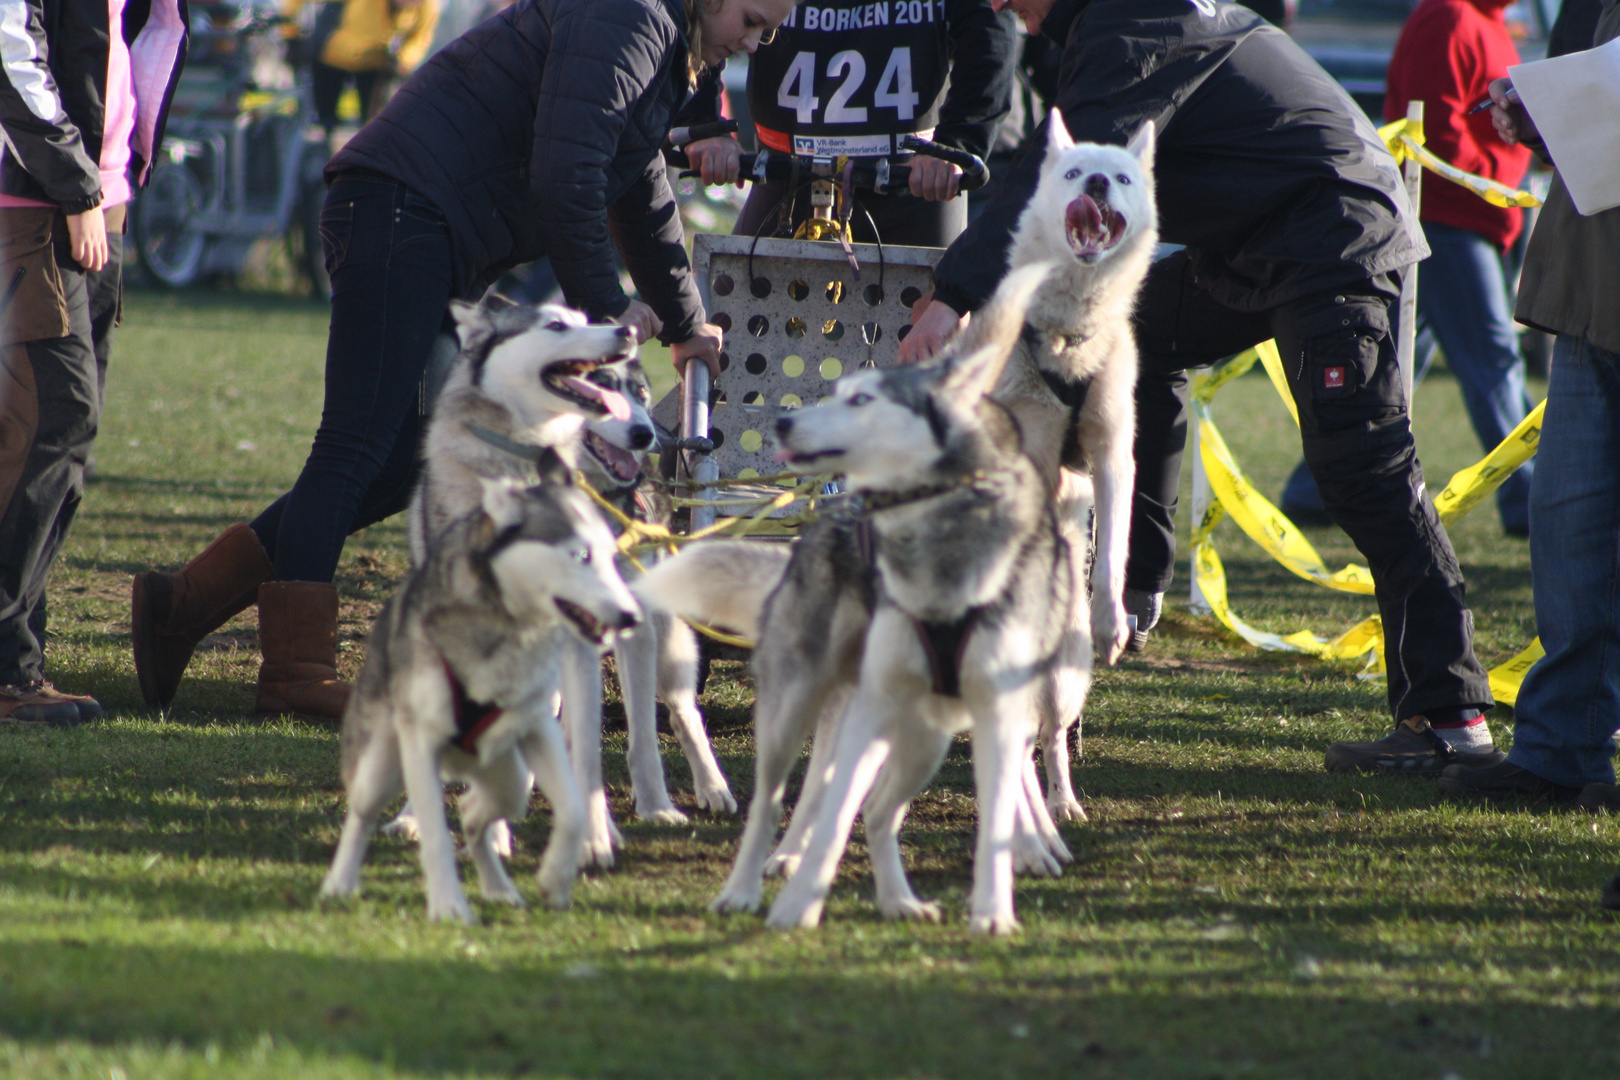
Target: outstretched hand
933,323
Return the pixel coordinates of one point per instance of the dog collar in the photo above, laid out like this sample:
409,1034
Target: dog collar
529,452
888,500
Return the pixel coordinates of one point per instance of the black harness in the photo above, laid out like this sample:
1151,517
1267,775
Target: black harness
1071,393
473,718
943,643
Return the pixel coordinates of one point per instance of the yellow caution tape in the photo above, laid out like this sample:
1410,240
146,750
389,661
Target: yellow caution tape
1405,139
1234,496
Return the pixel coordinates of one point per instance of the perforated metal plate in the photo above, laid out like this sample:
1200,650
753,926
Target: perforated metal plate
795,320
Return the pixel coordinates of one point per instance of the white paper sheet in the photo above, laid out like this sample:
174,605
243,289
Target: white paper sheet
1574,101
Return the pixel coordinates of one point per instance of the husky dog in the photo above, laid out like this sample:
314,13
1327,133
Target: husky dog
946,605
1071,380
460,672
660,659
526,378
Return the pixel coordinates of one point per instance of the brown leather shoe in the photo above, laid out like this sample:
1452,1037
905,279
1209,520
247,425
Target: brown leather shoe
298,639
171,613
39,702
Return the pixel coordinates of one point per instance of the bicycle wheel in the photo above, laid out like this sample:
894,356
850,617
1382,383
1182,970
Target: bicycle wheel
170,248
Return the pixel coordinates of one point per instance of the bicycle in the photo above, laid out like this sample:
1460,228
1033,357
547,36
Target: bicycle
242,160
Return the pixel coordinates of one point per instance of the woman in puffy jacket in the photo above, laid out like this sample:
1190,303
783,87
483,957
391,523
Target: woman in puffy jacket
535,134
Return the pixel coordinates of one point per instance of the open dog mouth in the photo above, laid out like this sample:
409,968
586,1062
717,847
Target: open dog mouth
590,627
621,464
570,379
1093,228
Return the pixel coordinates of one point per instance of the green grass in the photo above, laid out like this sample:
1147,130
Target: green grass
1233,912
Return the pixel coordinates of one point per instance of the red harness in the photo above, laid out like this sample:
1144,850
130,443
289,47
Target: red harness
473,718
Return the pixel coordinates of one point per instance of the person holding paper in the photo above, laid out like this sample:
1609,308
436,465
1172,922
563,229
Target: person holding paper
1569,709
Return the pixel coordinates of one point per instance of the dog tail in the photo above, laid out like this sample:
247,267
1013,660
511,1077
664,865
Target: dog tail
988,342
720,582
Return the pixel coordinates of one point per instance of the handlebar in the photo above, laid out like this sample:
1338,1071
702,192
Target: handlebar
883,175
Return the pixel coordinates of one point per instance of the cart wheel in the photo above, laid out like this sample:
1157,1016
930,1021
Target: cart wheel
169,248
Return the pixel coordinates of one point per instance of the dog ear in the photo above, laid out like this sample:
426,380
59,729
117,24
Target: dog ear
1142,144
1058,138
471,321
553,469
502,501
993,333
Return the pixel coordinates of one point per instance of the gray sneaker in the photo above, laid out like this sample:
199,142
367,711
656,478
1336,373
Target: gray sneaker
1412,749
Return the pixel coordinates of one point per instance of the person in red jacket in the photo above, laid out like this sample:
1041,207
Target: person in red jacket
1447,55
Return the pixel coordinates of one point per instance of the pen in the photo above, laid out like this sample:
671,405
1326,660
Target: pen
1512,94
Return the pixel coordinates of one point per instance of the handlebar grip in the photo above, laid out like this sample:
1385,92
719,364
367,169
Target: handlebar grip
975,173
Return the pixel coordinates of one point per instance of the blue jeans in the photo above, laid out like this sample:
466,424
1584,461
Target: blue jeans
1463,307
388,251
1569,707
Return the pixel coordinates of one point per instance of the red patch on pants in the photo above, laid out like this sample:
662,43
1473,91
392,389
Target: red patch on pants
1333,378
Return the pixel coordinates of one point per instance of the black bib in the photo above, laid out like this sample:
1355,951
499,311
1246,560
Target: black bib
845,77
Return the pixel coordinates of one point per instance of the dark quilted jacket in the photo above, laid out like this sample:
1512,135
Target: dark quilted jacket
537,134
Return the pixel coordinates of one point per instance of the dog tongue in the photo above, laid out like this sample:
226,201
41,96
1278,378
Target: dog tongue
1083,217
617,405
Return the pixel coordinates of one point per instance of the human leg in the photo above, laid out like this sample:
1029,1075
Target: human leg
57,341
1463,297
1568,710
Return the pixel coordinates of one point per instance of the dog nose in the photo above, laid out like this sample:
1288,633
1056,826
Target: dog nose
784,424
641,437
1096,186
629,620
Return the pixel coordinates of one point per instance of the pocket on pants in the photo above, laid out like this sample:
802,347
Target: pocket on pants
33,306
337,227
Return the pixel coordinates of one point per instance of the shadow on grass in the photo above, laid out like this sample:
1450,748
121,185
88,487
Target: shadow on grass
602,1015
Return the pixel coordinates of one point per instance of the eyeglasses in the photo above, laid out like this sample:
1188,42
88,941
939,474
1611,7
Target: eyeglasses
768,36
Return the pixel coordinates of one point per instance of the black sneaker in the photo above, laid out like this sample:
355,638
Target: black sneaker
1611,894
1499,780
1145,609
1412,749
1600,797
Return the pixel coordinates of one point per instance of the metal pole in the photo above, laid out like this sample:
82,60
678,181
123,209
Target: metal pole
1406,330
695,425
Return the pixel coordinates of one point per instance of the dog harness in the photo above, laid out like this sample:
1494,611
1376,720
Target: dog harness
528,452
473,718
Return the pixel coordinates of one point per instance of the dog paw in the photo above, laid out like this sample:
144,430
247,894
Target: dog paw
716,799
504,894
994,925
736,901
1035,859
597,852
557,887
792,912
453,908
910,909
339,888
500,834
403,827
667,815
1065,810
782,866
1110,631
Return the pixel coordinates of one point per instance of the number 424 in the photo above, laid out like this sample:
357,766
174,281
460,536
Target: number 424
894,89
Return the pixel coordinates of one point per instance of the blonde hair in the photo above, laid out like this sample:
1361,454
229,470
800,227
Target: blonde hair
694,37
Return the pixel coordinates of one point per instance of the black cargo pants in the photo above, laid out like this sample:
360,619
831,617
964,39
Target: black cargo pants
1339,354
55,335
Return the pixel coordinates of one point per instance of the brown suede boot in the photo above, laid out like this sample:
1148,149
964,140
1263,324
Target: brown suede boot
298,638
171,613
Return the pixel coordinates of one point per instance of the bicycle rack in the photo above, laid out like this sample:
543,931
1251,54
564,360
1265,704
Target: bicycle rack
795,320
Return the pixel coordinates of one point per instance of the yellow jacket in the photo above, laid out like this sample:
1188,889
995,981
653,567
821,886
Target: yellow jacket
373,29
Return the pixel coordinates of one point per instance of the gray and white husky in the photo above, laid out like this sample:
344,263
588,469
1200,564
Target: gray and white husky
945,605
461,669
1072,377
660,659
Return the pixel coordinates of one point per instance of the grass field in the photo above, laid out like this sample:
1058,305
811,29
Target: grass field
1233,911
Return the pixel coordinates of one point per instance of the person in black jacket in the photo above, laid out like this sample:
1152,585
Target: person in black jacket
534,134
84,92
1295,226
852,77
